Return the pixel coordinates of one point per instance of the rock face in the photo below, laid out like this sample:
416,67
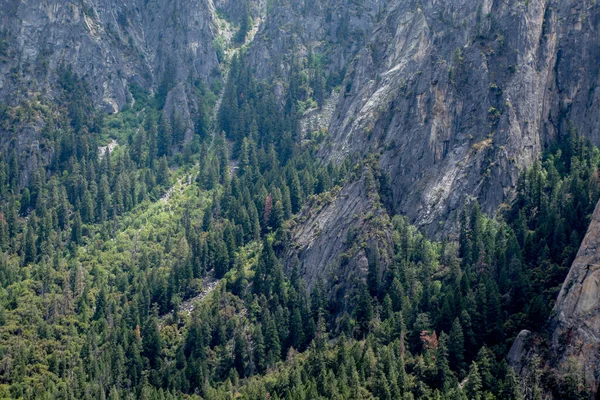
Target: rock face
458,95
336,29
452,92
332,225
110,43
574,328
576,333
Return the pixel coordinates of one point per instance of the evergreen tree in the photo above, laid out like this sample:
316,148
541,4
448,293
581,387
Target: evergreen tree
374,272
364,310
164,137
456,346
473,387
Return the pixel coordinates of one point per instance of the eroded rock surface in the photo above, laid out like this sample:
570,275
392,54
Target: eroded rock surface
574,328
327,232
459,95
111,44
576,333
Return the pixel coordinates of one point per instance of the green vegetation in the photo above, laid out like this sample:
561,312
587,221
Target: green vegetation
104,256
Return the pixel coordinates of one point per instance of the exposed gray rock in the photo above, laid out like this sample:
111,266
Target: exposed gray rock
518,355
459,95
327,231
576,322
177,106
335,28
452,92
317,119
236,9
574,328
110,43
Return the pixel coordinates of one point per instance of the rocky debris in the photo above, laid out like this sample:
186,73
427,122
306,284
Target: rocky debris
110,147
179,186
177,105
187,307
208,286
574,328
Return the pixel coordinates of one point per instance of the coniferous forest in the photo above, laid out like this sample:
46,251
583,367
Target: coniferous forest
155,271
139,262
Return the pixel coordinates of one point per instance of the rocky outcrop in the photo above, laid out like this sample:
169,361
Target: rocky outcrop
454,99
332,234
111,44
576,322
235,10
574,328
317,119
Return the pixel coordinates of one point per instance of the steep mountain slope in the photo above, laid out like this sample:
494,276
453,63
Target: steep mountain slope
339,117
112,44
458,96
332,234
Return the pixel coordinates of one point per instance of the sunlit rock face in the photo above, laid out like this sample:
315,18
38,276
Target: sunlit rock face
457,96
576,334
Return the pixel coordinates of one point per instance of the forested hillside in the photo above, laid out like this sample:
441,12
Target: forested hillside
151,272
271,200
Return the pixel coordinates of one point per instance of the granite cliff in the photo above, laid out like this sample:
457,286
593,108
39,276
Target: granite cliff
457,96
111,44
570,345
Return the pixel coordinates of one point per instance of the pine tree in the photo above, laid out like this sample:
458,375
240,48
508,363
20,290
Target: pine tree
277,216
138,150
76,229
240,354
260,359
444,375
374,272
511,388
245,25
456,346
165,137
152,343
30,246
296,194
162,173
101,304
364,310
381,385
473,387
271,335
